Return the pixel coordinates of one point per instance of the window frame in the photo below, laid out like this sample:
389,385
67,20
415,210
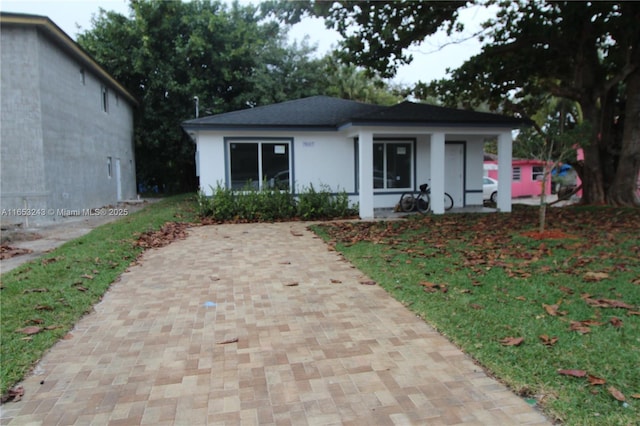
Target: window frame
535,174
385,142
259,142
104,96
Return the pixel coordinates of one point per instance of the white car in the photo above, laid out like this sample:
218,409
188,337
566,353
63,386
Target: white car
490,189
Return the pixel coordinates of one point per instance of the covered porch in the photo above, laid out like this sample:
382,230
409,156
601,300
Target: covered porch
448,159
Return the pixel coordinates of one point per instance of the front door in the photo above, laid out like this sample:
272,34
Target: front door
454,172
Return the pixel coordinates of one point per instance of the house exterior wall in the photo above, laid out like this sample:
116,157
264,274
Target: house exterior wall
22,157
63,142
329,160
525,186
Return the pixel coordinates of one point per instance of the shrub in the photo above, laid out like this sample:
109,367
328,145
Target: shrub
272,204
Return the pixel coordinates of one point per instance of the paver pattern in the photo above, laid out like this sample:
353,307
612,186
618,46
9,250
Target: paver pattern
314,346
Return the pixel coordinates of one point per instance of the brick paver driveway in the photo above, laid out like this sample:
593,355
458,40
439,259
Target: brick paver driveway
314,346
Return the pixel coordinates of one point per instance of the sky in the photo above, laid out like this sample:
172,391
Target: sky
431,58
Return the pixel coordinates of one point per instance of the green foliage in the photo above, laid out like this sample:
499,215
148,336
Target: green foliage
61,287
480,278
313,204
267,205
375,33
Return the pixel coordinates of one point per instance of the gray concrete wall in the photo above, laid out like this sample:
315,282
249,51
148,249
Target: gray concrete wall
76,135
22,175
79,136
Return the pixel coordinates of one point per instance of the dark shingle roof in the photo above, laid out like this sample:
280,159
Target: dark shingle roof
313,112
410,112
323,112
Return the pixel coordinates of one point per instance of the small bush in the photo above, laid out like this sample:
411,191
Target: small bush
272,204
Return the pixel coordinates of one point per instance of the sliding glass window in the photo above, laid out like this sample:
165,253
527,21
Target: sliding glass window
255,165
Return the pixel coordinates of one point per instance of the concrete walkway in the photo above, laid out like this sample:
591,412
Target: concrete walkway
314,346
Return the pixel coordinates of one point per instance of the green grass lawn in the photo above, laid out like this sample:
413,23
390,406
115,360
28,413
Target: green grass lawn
483,283
53,292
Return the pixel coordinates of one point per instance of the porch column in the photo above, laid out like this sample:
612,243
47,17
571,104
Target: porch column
505,172
437,173
365,174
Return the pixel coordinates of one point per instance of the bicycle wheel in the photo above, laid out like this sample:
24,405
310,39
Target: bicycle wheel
448,201
407,202
422,202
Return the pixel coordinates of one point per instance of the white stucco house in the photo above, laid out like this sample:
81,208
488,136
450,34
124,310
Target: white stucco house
373,152
66,126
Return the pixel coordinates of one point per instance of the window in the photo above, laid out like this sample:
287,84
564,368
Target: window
537,173
257,164
392,165
105,99
82,77
516,174
109,166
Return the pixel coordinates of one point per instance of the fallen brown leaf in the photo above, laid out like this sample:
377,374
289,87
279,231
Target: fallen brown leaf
7,252
292,284
334,281
616,393
616,322
512,341
594,381
86,276
581,327
14,394
553,309
32,329
595,276
573,373
227,341
296,233
43,308
35,290
548,341
566,290
368,282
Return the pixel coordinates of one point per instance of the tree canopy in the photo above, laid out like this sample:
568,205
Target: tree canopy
167,52
587,52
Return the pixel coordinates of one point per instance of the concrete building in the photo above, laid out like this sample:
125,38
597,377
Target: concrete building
66,126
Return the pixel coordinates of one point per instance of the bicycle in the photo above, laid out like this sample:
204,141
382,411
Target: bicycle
422,201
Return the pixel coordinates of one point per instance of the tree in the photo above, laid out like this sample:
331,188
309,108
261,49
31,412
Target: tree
582,51
166,53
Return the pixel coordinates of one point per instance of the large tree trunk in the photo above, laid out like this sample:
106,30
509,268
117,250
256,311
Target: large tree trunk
592,176
623,191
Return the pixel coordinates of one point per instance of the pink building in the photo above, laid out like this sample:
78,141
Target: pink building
527,176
